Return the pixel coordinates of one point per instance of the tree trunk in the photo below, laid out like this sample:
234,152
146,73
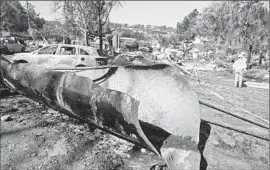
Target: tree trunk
185,53
86,39
185,50
249,55
44,39
100,36
101,41
260,59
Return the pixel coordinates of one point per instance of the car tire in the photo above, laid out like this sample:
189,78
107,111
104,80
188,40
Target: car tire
80,65
4,51
20,62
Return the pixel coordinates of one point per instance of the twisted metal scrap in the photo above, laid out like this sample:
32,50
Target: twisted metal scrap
151,106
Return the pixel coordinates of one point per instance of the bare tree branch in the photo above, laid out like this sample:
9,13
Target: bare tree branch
110,8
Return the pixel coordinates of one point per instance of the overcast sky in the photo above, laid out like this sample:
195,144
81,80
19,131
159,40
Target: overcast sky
138,12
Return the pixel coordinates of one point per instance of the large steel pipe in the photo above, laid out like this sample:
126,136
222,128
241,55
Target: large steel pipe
151,106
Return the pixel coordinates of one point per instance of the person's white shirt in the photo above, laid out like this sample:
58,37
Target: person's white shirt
240,64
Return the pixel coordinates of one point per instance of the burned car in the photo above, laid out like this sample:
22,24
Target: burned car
12,45
55,55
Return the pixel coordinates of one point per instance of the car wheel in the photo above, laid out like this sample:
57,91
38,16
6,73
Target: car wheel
4,51
80,65
23,49
20,61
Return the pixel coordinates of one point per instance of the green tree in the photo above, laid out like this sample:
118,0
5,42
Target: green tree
214,24
131,45
249,19
232,26
15,17
164,41
186,30
53,30
35,23
126,33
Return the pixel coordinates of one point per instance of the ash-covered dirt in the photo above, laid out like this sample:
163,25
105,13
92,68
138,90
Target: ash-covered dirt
35,137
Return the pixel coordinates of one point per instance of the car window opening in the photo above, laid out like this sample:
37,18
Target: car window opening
68,51
48,50
83,52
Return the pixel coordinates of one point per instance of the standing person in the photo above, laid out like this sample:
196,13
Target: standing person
239,68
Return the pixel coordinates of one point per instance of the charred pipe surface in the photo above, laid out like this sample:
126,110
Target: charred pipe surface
151,106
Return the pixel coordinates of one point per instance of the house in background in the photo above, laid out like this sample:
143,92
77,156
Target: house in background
129,44
199,49
95,43
5,33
